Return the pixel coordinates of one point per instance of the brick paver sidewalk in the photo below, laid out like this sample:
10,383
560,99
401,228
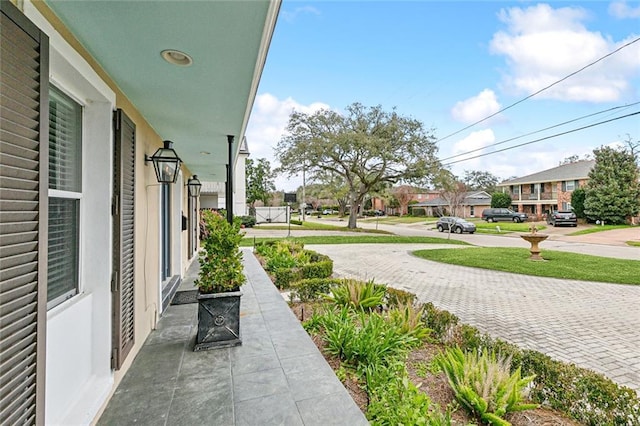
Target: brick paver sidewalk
593,325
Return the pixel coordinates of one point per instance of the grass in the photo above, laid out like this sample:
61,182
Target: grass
600,228
359,239
633,243
558,264
315,226
505,227
392,220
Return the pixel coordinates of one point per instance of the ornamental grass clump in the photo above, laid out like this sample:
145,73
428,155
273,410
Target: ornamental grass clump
358,294
221,267
484,384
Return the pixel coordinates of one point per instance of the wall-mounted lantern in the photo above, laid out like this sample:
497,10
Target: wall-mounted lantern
166,163
194,185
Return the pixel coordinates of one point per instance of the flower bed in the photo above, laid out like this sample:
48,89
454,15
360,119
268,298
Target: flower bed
392,354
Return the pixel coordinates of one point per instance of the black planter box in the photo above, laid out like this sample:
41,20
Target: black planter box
218,320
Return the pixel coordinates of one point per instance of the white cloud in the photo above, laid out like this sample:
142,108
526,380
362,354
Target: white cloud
269,119
291,15
543,45
476,108
621,10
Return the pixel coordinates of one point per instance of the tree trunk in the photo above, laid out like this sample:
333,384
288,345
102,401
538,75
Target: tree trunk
353,216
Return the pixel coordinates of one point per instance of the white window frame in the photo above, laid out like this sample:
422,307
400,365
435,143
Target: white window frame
56,193
572,183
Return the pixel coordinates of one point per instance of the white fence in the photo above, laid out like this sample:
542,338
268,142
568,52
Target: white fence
272,214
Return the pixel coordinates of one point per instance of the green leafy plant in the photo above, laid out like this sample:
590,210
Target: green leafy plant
221,267
408,318
358,294
394,400
484,383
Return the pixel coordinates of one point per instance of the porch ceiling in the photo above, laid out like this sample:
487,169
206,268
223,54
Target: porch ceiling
195,106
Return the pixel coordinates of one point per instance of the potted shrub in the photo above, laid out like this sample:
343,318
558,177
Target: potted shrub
221,275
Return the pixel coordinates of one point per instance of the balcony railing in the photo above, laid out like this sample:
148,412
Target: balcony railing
534,196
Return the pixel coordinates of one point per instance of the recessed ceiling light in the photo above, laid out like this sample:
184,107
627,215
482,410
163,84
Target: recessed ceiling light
176,57
205,153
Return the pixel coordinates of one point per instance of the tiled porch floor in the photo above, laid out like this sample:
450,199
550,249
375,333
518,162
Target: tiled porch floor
276,377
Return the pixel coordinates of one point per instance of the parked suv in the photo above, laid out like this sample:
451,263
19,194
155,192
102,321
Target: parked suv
556,218
495,215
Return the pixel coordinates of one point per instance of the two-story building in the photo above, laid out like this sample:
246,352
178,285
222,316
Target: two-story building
538,193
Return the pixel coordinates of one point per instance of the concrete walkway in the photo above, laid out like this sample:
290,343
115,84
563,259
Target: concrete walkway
277,377
593,325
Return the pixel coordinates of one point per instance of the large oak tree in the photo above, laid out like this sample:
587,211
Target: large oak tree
365,146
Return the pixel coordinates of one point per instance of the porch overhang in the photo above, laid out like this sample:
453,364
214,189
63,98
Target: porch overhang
195,106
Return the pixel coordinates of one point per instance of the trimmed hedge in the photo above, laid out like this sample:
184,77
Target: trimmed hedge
312,289
584,395
289,262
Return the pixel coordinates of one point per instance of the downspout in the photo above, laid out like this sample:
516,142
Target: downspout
229,194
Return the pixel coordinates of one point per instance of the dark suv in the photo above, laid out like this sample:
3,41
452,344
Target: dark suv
495,215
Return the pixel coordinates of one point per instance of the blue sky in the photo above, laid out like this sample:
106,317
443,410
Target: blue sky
451,63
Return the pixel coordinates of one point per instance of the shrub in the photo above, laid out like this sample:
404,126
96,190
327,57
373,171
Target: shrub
395,297
364,340
221,267
441,322
312,289
586,396
247,221
284,276
394,400
295,222
484,384
322,269
358,294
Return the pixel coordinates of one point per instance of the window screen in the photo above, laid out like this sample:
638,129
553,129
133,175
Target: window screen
65,186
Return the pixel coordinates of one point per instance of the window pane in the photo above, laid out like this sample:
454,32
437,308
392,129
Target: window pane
65,141
64,221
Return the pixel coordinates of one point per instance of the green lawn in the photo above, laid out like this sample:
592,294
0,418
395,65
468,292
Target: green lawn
315,226
558,264
505,227
633,243
600,228
392,220
359,239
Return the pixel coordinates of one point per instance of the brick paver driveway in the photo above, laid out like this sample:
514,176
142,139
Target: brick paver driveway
593,325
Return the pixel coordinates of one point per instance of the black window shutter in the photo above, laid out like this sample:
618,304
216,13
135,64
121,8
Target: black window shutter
564,185
123,279
24,121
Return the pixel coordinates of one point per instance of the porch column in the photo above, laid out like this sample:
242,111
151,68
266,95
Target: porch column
229,188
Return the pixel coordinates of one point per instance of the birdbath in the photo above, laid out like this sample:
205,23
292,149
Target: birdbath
534,239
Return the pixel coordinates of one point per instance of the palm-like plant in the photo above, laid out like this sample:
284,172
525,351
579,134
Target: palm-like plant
483,383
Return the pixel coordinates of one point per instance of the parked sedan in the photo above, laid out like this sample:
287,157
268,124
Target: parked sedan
556,218
457,225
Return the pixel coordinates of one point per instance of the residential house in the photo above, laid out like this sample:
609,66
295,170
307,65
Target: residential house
538,193
414,195
91,244
471,204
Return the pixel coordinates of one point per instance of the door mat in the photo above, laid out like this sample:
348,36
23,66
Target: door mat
184,297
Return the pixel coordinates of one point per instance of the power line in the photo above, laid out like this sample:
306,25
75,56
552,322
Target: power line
540,130
541,90
543,139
